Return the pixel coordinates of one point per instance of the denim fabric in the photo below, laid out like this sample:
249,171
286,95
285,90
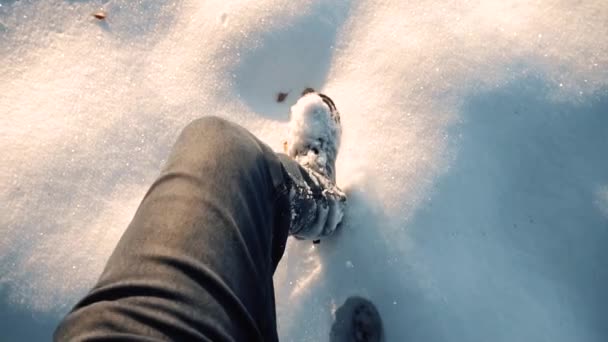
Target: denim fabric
197,260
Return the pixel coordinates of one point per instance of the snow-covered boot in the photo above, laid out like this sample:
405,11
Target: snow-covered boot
317,204
357,320
315,132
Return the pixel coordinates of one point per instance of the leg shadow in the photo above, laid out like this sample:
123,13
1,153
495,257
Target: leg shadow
514,238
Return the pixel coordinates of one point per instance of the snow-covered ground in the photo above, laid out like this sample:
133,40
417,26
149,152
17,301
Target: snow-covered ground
475,152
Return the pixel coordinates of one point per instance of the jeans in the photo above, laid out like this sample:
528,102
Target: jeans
197,260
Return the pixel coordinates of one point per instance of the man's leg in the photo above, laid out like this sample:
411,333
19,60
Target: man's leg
196,262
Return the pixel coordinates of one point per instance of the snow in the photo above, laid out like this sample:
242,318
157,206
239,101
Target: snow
473,152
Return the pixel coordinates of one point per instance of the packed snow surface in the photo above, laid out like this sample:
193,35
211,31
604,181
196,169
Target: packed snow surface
474,152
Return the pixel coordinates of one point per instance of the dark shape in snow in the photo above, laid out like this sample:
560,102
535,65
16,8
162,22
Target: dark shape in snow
357,320
281,96
307,90
100,15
